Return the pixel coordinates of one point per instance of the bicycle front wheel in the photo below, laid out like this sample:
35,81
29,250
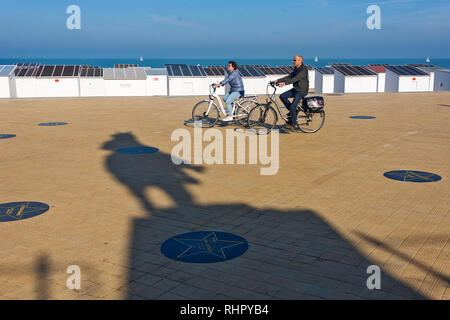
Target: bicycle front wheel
205,112
262,117
309,122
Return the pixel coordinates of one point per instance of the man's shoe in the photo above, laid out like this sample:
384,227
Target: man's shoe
228,118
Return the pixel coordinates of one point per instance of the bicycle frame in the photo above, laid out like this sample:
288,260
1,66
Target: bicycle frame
214,95
270,98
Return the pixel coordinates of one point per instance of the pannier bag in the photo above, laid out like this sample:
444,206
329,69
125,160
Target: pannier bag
314,104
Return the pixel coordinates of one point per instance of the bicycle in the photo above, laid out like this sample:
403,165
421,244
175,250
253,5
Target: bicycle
208,113
265,117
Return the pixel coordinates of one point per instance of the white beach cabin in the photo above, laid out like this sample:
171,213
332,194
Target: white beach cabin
254,80
275,73
157,81
92,83
354,79
442,80
431,70
406,79
125,82
7,82
215,74
311,76
324,80
381,71
57,81
25,80
186,80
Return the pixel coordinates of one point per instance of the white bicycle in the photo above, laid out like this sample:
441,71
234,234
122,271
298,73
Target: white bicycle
208,113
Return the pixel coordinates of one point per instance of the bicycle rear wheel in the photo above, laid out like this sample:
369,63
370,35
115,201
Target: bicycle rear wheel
309,122
206,115
242,111
262,117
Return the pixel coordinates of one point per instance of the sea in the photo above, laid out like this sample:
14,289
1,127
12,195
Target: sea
159,63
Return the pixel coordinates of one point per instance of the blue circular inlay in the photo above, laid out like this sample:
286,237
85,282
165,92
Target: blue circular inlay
7,136
412,176
14,211
204,247
53,124
362,117
138,150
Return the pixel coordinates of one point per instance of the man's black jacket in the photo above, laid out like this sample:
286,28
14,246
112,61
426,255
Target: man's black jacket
299,77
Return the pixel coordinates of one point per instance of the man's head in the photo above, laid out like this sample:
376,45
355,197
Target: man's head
232,66
298,60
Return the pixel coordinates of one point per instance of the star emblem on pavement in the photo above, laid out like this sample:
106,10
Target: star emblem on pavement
210,244
18,210
411,175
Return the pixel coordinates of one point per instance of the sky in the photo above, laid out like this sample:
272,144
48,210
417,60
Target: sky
220,29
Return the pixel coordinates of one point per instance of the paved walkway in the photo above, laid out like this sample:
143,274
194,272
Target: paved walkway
313,229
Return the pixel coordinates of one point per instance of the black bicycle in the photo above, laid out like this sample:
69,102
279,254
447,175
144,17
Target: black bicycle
264,116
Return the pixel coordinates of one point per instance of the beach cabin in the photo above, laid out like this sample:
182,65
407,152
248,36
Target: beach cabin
254,80
92,83
125,82
311,76
7,82
354,79
157,81
431,70
324,80
442,80
406,79
275,73
184,80
25,79
215,74
57,81
381,71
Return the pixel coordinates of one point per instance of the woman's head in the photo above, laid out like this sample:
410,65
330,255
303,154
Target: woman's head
232,66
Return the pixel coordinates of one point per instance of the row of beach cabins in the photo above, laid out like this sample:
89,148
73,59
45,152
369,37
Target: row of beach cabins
31,80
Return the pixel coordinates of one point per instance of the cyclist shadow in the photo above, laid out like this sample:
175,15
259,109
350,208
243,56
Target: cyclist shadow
293,254
221,124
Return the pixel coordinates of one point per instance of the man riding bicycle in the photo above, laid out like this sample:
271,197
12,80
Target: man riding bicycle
236,90
299,77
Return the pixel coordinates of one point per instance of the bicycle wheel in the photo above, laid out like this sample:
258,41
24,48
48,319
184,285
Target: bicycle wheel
208,118
262,117
242,111
309,122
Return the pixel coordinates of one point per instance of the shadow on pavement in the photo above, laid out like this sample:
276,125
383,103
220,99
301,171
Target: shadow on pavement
293,254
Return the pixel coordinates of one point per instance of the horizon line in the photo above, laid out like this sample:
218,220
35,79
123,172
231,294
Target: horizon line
133,58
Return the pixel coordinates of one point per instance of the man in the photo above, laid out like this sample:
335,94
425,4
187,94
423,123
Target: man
299,77
236,90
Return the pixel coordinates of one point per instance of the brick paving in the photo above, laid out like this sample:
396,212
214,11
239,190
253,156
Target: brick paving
313,229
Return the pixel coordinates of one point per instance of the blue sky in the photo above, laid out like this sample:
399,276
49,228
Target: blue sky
220,29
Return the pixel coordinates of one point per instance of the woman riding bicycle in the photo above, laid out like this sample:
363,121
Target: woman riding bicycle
236,90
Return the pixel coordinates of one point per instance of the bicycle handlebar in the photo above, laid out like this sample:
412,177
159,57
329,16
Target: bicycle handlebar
274,84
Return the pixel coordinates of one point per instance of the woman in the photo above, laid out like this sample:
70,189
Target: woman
236,90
